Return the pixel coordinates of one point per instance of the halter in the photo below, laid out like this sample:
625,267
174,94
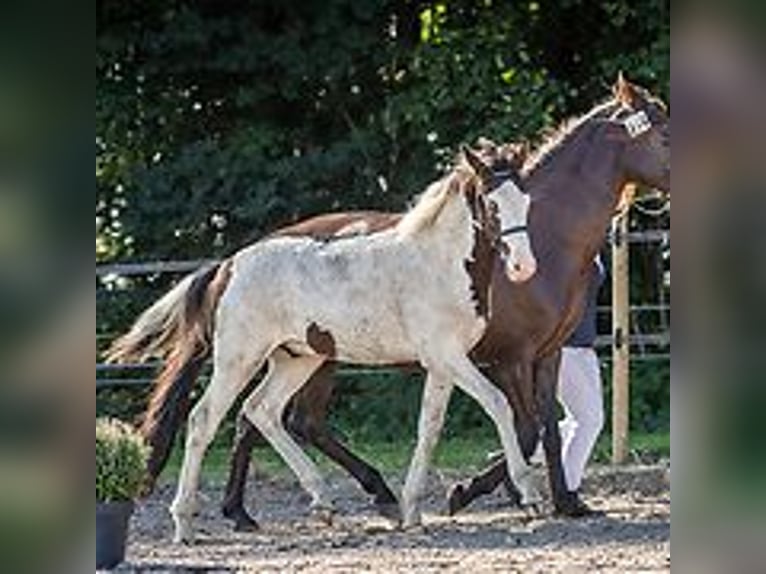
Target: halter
514,229
636,124
499,177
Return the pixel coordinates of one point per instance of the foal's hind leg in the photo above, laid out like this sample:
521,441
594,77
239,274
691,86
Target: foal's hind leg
233,367
265,407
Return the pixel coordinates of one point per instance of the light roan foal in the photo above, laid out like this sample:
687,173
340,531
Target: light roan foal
414,292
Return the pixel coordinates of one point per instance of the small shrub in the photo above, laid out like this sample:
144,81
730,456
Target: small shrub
121,459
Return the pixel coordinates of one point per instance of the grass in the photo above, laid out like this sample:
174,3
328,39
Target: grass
648,446
454,453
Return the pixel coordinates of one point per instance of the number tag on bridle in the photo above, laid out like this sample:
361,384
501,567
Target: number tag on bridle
637,124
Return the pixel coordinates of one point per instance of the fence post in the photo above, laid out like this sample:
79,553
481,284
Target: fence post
621,333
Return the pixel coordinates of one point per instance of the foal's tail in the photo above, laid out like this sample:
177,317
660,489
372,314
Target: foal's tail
177,328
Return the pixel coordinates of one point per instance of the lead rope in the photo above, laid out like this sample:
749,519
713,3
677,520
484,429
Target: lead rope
659,211
629,200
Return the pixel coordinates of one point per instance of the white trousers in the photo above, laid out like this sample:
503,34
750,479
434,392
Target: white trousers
580,393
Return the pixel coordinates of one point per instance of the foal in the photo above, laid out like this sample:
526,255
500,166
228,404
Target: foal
418,292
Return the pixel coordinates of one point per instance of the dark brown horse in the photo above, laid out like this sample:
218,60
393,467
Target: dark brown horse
575,181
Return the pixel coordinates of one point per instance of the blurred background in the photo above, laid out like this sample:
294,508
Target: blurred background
719,370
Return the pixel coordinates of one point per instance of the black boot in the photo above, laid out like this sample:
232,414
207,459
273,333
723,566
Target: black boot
572,506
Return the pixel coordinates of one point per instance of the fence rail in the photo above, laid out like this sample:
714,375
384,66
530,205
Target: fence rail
650,346
107,383
128,269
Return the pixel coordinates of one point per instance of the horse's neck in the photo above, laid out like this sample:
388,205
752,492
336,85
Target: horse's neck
570,214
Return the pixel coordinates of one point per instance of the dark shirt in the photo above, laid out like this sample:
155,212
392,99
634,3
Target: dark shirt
586,331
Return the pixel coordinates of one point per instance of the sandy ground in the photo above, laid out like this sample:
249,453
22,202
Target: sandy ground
634,536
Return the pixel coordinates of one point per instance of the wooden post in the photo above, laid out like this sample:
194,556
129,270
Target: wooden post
621,345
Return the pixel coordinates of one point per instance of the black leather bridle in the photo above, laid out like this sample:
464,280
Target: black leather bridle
499,177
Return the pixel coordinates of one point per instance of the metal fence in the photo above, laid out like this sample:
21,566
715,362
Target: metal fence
650,320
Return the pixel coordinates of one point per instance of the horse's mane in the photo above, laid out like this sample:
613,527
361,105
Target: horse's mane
428,205
554,139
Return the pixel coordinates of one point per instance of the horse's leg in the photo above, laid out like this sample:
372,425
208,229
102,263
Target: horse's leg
566,502
436,394
461,495
234,365
265,407
496,405
233,506
308,419
527,430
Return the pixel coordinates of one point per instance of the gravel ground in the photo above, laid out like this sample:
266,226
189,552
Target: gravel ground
634,536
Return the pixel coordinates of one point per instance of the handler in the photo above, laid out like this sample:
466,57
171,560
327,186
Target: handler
580,389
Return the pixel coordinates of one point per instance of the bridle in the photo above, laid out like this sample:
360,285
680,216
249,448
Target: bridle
498,178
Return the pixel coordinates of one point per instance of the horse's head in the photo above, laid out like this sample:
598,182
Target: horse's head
641,124
497,169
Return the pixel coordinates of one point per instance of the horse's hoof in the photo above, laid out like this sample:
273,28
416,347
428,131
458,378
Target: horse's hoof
183,538
243,522
514,496
246,525
413,524
530,496
390,511
533,510
323,514
576,508
455,502
416,529
183,533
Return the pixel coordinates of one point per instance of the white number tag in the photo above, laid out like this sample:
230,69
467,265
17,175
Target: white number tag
637,124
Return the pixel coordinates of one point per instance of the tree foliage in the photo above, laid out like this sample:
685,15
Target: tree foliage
217,121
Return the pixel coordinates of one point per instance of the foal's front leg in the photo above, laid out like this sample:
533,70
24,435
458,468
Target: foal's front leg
496,405
511,377
436,395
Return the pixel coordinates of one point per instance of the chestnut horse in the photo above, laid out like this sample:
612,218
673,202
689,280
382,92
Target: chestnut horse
418,291
575,180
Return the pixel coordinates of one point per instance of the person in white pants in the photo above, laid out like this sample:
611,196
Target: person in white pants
580,389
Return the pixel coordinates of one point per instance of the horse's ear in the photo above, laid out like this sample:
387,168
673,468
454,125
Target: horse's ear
477,165
623,90
517,154
486,145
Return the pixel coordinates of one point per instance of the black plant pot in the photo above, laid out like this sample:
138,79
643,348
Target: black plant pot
111,532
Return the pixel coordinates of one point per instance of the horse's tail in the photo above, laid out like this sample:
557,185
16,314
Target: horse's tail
177,328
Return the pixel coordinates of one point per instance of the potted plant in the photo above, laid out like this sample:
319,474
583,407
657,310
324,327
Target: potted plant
121,459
